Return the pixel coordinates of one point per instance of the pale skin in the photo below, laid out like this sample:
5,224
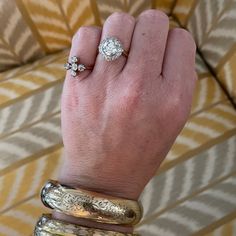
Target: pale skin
120,119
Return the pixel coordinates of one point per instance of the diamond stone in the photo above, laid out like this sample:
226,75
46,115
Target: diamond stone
73,73
74,59
67,66
81,67
74,66
110,48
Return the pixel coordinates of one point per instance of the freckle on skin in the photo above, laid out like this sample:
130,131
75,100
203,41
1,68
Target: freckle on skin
143,34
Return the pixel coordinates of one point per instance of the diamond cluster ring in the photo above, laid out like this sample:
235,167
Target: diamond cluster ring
75,66
111,49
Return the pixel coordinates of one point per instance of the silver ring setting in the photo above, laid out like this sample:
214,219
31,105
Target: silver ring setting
74,66
111,48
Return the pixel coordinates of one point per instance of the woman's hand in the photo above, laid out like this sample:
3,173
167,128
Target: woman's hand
120,119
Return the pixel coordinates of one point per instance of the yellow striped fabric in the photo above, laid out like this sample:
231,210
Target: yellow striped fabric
20,220
191,193
212,25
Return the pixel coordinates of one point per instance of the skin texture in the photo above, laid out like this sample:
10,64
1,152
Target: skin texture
120,120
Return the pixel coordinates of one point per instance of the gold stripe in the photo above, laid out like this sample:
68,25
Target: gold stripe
194,4
48,85
208,107
31,158
226,58
95,11
178,202
195,151
216,224
64,17
204,75
31,25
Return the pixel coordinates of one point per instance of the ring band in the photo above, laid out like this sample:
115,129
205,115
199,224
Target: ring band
46,225
111,48
75,66
91,205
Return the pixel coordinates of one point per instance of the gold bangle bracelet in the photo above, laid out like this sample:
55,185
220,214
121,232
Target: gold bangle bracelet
46,226
91,205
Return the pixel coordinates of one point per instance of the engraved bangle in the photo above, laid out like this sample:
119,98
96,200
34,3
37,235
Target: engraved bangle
91,205
46,226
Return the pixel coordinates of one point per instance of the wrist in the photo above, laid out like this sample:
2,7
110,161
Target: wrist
96,181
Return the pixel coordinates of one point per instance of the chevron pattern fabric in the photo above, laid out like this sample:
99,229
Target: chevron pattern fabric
193,191
212,24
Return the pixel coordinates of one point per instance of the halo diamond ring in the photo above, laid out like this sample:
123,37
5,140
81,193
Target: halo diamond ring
111,49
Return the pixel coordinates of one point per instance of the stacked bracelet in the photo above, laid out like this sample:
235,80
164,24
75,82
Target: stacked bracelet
91,205
46,226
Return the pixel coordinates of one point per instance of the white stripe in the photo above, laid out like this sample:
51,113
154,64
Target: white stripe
43,106
11,24
201,98
52,127
208,12
31,138
228,77
4,115
222,196
230,155
7,92
168,186
209,166
207,131
186,141
13,149
225,33
21,40
222,121
8,231
203,208
147,196
189,167
44,75
198,24
37,177
182,220
15,188
155,230
43,19
23,114
25,83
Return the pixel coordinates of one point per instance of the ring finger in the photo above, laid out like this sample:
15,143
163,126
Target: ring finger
120,26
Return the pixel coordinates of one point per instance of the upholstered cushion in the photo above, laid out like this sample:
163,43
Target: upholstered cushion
31,147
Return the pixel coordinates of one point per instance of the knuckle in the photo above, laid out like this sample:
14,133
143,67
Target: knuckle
154,14
121,16
86,31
